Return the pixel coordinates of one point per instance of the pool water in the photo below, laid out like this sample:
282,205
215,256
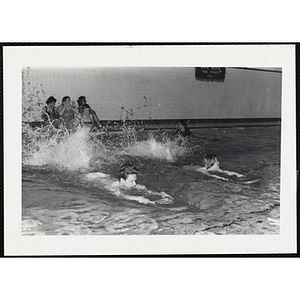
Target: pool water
56,201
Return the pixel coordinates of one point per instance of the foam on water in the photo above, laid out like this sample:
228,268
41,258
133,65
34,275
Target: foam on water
71,152
76,151
59,203
82,150
167,149
56,202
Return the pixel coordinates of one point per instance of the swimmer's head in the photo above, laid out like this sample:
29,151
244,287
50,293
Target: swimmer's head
210,160
66,99
86,108
81,100
128,175
50,100
183,128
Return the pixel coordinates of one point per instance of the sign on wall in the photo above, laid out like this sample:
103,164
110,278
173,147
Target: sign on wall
210,74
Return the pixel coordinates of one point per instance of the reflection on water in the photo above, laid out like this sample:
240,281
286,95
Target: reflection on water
55,201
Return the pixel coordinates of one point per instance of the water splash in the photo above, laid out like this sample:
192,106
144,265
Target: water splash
62,150
48,145
166,149
33,98
85,151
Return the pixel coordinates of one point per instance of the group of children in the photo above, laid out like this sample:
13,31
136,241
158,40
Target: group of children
68,115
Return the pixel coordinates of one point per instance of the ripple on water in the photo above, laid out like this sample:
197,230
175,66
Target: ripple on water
31,226
69,207
130,222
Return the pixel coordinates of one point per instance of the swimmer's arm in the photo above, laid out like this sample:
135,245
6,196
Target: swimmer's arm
116,191
44,114
142,187
95,176
201,169
77,113
216,176
61,109
230,173
204,171
140,199
96,119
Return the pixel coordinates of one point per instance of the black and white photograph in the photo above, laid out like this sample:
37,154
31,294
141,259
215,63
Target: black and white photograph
150,149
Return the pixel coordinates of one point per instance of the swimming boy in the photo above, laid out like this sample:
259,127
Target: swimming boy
183,130
212,169
127,181
211,163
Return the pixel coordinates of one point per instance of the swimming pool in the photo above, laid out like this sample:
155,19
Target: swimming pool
56,201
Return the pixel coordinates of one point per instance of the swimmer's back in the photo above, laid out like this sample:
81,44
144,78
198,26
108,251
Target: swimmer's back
98,177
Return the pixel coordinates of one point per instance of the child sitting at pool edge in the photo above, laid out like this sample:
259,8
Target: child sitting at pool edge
126,181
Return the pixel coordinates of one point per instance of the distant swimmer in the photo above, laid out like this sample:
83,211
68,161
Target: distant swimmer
211,164
183,130
211,168
126,185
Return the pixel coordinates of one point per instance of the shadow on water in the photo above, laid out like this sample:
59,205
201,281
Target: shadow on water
55,201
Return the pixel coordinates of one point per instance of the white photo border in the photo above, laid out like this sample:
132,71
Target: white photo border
234,55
